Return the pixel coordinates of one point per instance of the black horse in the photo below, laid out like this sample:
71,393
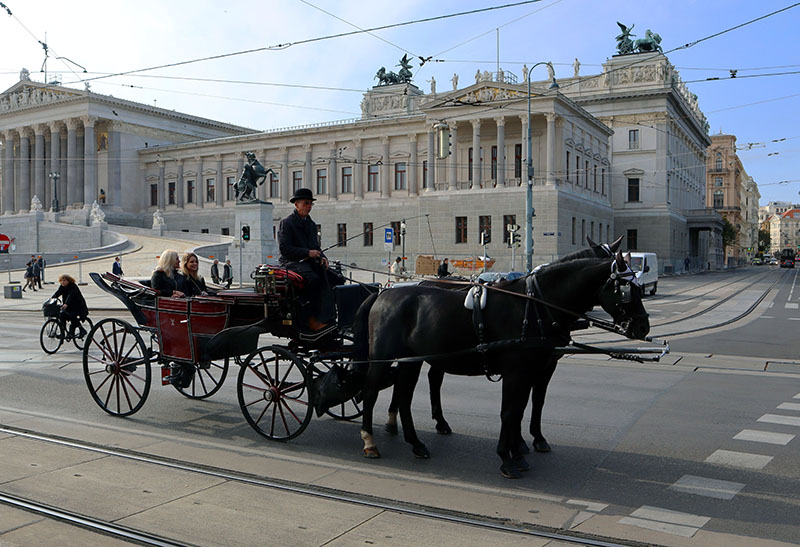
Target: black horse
541,378
432,324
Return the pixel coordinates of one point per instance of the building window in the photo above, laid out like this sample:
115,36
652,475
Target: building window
633,139
368,234
347,180
632,240
600,231
718,162
396,232
719,199
518,161
274,185
494,163
583,230
591,229
399,176
341,235
373,178
154,195
573,230
566,174
508,219
189,191
717,181
171,193
210,185
577,169
603,181
586,175
322,181
230,184
595,177
425,174
203,230
633,189
225,231
485,226
461,229
469,161
297,180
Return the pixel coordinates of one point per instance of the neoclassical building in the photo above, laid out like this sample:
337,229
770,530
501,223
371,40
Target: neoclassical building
620,153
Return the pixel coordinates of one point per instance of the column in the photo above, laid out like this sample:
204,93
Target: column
286,184
161,198
307,169
179,186
80,164
38,163
8,172
24,177
48,168
90,190
114,191
385,169
200,185
413,168
476,154
431,159
501,152
62,168
333,190
72,164
452,159
551,148
220,195
358,171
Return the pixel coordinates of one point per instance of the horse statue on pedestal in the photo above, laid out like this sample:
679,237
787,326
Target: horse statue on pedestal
253,175
650,43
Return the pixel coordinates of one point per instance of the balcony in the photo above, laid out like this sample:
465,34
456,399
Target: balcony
715,171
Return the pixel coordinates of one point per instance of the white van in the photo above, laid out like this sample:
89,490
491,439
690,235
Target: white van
646,267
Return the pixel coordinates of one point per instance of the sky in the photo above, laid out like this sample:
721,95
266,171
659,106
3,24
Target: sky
323,78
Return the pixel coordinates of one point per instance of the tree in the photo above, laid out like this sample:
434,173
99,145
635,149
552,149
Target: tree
763,241
729,233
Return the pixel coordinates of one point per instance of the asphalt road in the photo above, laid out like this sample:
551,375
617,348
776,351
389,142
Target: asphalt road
633,440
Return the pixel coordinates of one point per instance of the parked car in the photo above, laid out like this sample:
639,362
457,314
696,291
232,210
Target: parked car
787,263
646,267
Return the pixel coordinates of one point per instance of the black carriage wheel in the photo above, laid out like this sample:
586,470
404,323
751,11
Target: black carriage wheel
116,366
351,409
87,325
207,379
51,336
273,393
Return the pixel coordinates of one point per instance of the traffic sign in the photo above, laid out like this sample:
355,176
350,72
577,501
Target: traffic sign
388,239
5,242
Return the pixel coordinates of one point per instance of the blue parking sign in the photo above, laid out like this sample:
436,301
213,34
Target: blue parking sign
388,235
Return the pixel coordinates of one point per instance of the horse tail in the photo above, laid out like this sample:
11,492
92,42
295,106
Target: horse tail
361,333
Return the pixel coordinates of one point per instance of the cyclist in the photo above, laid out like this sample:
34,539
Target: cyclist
73,306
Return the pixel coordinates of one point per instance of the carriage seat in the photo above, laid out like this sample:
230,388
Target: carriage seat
275,278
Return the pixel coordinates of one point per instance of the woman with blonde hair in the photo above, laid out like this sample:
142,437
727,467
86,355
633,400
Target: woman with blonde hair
191,282
164,278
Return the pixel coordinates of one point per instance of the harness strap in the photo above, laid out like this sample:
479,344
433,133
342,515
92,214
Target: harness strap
477,323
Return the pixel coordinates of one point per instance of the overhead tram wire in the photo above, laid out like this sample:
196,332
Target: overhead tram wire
278,47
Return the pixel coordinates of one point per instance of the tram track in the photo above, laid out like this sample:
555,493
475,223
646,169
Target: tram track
408,509
662,298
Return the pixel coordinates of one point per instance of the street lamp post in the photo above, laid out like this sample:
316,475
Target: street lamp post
55,175
529,211
403,240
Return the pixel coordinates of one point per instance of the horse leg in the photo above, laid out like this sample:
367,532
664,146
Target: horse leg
407,376
370,397
391,423
435,380
515,399
540,383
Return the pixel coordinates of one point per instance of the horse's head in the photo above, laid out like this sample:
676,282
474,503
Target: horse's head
621,297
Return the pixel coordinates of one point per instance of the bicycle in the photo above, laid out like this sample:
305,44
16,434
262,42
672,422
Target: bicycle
54,331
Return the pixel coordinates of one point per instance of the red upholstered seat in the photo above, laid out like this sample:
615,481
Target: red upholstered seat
280,272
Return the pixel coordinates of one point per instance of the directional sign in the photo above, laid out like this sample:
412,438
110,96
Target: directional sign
388,239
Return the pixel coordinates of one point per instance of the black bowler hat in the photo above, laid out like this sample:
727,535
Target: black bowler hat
302,193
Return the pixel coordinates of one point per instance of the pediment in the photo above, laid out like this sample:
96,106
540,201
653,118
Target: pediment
484,92
230,170
28,94
633,173
400,155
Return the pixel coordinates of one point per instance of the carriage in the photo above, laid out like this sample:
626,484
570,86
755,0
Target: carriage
195,340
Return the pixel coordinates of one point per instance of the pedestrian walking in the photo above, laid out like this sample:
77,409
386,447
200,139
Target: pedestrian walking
116,267
37,279
686,264
215,272
28,276
42,263
227,274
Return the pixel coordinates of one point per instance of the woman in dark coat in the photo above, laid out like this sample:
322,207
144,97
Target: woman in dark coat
165,276
29,278
73,306
191,283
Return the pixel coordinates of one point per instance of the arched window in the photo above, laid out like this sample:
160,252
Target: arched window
718,163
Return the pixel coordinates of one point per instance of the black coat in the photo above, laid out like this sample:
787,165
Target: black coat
442,272
192,287
164,284
72,297
296,236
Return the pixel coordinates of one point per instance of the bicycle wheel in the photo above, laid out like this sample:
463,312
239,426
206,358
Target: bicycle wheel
52,336
273,393
80,341
207,379
116,367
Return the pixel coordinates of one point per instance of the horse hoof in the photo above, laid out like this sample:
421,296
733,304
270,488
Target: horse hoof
372,453
421,452
510,472
541,445
521,463
391,429
443,429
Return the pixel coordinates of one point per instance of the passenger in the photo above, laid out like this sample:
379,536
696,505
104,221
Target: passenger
443,270
192,284
73,307
165,276
300,252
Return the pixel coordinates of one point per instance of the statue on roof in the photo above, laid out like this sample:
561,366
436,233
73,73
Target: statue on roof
624,42
649,44
25,75
390,78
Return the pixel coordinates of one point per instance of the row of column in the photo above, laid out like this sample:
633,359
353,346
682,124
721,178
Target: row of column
26,168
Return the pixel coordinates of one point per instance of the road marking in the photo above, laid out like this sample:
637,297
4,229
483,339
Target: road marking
664,520
702,486
794,319
788,406
743,460
790,305
779,419
763,437
589,505
766,317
